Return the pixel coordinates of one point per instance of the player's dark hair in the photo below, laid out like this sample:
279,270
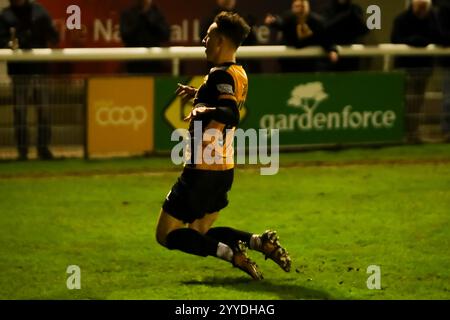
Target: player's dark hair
232,26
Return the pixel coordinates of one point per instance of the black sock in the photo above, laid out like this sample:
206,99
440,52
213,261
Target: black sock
193,242
229,236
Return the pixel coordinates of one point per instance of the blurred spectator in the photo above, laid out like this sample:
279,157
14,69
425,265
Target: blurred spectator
26,24
346,25
302,28
444,23
143,25
418,27
251,65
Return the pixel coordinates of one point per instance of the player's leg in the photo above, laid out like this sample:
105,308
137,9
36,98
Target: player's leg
238,248
186,204
166,224
204,224
267,243
172,234
226,235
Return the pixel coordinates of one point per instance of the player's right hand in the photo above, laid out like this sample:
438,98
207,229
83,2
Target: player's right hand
185,92
198,111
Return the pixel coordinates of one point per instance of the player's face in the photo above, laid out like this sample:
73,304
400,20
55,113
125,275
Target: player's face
212,43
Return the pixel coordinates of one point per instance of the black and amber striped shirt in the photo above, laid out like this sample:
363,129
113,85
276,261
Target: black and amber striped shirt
224,88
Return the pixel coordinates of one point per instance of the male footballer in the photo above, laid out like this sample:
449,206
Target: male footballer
194,202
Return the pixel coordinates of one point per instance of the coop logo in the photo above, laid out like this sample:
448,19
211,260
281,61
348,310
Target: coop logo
108,114
306,98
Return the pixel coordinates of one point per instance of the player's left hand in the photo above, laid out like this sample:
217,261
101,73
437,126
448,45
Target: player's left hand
197,111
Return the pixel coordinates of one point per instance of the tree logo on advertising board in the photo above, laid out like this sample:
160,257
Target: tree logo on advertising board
307,95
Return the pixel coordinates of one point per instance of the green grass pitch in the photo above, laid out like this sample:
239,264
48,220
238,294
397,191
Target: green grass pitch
336,212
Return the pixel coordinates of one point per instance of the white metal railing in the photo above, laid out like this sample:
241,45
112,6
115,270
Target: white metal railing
176,54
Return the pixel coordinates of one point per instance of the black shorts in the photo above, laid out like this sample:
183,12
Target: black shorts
197,193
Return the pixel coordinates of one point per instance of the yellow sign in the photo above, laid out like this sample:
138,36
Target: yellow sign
177,110
120,116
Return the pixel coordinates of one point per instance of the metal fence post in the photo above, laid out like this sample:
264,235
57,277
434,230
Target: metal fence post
176,67
387,63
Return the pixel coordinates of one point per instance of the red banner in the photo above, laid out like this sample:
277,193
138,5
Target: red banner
100,19
100,24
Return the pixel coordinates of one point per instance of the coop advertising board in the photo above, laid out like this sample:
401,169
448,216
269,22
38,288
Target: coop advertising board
120,116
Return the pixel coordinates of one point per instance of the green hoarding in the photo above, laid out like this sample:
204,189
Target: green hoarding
308,109
164,98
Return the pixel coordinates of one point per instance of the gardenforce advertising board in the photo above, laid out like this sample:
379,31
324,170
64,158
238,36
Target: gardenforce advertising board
307,109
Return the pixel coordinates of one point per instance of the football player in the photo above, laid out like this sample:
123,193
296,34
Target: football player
193,204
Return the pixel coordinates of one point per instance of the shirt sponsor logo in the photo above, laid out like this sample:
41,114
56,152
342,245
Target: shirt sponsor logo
225,88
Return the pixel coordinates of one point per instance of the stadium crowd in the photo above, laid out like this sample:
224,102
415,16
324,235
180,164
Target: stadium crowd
341,22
